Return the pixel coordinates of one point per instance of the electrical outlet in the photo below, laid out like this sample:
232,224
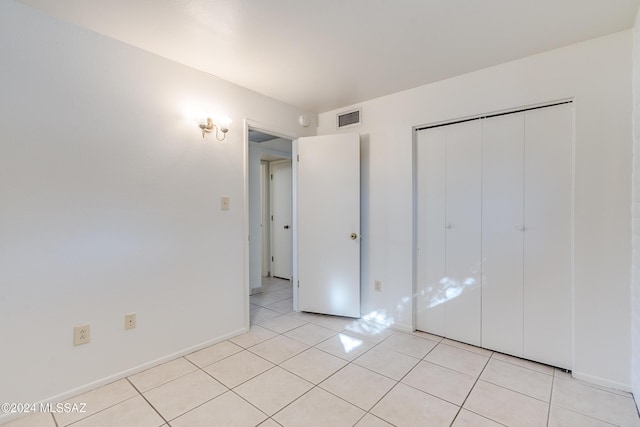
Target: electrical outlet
224,203
129,321
81,334
378,285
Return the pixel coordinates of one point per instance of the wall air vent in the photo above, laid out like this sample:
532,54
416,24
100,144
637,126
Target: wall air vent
348,118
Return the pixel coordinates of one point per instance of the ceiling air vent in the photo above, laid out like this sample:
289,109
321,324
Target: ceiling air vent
348,118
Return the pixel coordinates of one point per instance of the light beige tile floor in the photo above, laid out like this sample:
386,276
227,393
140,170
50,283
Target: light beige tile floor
301,369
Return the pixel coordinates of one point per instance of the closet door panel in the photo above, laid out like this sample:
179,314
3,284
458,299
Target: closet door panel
463,222
502,240
430,221
547,237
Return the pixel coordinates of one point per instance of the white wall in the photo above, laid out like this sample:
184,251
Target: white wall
635,287
597,74
110,203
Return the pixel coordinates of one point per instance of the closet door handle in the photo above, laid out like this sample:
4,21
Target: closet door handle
449,226
286,227
521,228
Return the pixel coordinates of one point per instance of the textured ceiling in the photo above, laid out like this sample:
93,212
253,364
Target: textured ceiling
324,54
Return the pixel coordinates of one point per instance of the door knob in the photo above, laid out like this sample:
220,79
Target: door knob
354,236
449,226
520,228
286,227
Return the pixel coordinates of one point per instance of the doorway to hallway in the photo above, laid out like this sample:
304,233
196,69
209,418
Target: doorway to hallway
270,191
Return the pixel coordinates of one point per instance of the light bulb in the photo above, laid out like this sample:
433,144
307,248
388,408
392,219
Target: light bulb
223,123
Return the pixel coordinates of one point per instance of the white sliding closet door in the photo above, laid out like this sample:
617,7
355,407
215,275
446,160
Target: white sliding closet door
502,233
463,232
430,254
494,233
547,238
448,225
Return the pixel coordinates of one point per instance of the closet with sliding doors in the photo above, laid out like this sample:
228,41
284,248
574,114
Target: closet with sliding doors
494,198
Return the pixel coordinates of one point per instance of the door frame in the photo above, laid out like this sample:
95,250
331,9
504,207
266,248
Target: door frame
271,130
265,194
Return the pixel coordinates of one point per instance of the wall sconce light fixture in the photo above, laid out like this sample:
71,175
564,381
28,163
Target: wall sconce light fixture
221,126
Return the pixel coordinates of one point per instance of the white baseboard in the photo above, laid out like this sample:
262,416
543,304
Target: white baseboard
402,327
601,381
5,418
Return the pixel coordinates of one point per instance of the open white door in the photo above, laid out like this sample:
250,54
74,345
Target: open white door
328,224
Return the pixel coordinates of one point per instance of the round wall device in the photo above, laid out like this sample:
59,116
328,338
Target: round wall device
303,119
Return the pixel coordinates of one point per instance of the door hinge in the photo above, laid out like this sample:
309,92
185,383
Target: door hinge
271,217
298,157
271,259
298,283
271,177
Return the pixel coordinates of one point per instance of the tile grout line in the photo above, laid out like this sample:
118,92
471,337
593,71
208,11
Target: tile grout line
294,400
604,389
518,392
146,400
378,373
196,367
444,367
217,396
100,411
349,362
292,373
470,391
313,385
241,397
525,360
553,385
232,390
441,341
335,395
574,411
352,362
589,417
484,417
